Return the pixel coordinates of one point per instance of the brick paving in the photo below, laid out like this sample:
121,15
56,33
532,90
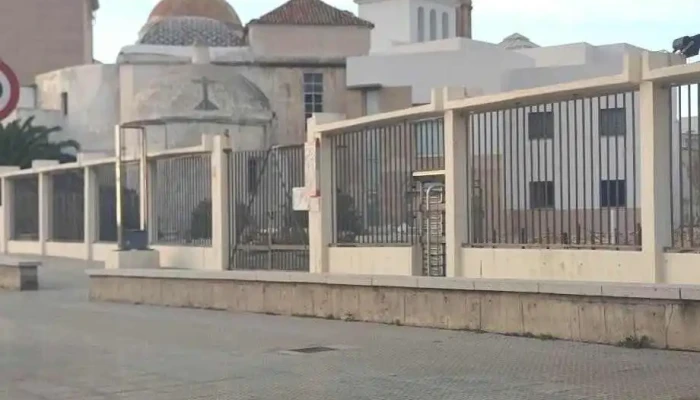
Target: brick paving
56,345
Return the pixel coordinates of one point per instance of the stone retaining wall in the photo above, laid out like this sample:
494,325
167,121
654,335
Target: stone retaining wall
669,316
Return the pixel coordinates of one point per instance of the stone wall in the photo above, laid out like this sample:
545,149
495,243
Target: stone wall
658,316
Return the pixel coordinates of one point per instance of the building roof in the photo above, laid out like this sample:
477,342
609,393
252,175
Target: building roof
310,12
517,41
219,10
188,31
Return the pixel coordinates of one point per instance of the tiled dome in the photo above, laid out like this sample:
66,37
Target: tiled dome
517,41
219,10
188,31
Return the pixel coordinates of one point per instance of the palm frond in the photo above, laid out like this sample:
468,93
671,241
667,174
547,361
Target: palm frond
21,142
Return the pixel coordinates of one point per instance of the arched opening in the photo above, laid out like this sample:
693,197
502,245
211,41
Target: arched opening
421,24
433,25
445,25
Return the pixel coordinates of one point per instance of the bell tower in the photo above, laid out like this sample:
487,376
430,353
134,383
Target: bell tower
464,19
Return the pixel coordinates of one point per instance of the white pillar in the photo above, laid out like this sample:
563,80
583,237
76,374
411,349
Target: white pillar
655,172
45,209
90,200
456,212
152,221
319,184
144,182
220,203
7,214
455,191
6,191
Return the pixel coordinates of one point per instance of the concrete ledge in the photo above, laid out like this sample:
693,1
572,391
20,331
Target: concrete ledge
590,312
133,259
605,289
19,275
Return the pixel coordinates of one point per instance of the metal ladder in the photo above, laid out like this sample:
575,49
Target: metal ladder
434,230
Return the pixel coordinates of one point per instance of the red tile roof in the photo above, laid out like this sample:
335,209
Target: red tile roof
310,12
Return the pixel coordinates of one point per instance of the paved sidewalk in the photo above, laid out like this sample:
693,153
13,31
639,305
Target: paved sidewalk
56,345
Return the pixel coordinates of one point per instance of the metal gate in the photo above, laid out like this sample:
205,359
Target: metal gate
432,216
265,231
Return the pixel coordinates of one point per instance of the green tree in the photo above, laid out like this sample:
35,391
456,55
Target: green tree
21,142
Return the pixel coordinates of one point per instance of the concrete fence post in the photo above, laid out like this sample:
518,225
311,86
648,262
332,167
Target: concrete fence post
45,209
455,183
319,186
655,172
90,201
220,212
7,213
152,221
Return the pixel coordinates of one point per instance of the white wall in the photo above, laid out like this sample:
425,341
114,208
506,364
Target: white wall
487,67
384,35
93,103
427,70
567,54
27,97
526,78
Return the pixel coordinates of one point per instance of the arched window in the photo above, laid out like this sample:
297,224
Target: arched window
433,25
421,24
445,25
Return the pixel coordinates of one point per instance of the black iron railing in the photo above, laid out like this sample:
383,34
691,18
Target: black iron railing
562,173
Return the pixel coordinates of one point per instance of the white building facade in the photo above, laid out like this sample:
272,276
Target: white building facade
551,167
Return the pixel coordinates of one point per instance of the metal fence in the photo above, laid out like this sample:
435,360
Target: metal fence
372,171
68,206
685,166
107,200
562,173
182,198
265,231
25,203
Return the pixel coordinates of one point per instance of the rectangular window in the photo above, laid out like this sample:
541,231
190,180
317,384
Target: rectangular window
612,122
313,93
540,125
542,194
613,193
64,103
370,100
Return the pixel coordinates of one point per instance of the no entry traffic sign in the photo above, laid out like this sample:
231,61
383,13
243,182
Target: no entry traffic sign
9,90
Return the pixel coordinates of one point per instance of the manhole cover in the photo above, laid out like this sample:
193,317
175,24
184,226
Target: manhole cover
311,350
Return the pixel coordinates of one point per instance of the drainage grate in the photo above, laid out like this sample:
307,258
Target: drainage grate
311,350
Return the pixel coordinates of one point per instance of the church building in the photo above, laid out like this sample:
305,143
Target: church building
196,68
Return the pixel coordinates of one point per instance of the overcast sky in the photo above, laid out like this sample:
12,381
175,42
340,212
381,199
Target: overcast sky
651,24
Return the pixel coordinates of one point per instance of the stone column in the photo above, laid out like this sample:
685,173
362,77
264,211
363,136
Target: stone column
220,193
45,209
7,208
90,201
319,187
152,221
655,171
456,183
